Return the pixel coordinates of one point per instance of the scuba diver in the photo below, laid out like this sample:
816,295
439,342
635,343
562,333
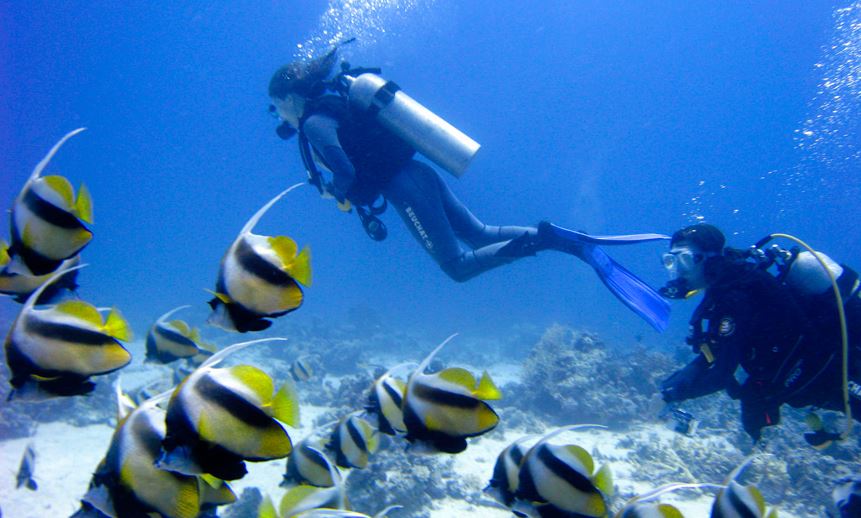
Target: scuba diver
786,331
365,131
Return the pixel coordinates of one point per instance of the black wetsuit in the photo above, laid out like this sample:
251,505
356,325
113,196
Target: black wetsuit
367,161
788,352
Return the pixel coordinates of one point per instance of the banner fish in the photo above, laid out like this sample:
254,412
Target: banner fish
218,418
49,223
736,500
173,340
385,401
506,472
127,483
21,285
57,348
259,278
442,409
562,478
303,498
353,440
301,369
308,465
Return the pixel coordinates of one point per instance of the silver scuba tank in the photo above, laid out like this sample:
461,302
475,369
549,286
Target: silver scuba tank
429,134
806,275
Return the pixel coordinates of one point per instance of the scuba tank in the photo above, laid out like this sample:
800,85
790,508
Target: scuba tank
429,134
806,276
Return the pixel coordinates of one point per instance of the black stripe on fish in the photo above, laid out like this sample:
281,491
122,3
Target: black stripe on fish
50,213
564,471
416,430
175,336
150,438
393,392
443,397
22,367
356,435
232,402
37,327
254,264
737,504
315,457
304,370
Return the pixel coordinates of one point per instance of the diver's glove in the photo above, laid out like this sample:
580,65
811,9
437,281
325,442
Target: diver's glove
330,191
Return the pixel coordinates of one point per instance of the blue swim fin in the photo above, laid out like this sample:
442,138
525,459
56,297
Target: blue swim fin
627,287
572,235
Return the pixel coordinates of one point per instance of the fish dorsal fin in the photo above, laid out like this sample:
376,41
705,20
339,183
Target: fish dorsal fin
84,204
603,480
171,312
267,508
63,187
255,380
771,513
487,389
757,498
424,364
44,162
582,457
81,310
117,326
285,248
295,496
249,225
285,405
125,404
224,353
181,326
371,438
458,376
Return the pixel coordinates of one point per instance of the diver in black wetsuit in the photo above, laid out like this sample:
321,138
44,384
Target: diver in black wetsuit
368,160
787,345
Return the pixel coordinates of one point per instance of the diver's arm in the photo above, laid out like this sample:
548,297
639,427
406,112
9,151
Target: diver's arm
322,133
699,378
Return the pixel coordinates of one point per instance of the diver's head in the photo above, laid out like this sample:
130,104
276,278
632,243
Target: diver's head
689,249
294,83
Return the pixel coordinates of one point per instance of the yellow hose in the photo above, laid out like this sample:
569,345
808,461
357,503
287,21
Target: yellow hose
844,334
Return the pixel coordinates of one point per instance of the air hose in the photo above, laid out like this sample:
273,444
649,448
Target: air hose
844,334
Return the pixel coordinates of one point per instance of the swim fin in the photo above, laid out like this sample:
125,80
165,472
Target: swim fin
627,287
556,231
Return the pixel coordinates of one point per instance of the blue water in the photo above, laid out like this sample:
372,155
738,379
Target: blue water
609,117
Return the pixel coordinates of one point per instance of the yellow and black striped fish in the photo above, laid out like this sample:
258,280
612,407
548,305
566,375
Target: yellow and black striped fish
563,478
57,348
304,498
650,510
21,285
506,472
173,340
127,483
353,440
49,222
385,401
218,418
309,465
301,369
259,278
736,500
442,409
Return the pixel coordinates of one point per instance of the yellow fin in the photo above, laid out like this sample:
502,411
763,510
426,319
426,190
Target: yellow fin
204,429
757,497
256,380
294,497
487,418
84,205
771,513
301,267
63,187
187,503
4,253
285,405
603,480
117,326
583,456
82,310
291,296
371,439
27,236
274,443
458,376
285,248
431,423
487,389
670,511
182,327
267,508
223,297
215,491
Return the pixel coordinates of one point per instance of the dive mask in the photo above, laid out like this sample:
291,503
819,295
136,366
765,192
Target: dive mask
683,259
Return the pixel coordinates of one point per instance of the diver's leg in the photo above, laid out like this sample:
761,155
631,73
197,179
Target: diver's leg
469,228
415,194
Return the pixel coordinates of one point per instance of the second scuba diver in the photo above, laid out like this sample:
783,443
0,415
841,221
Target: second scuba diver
782,330
365,132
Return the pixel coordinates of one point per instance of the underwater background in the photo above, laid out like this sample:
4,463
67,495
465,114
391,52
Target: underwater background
608,117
